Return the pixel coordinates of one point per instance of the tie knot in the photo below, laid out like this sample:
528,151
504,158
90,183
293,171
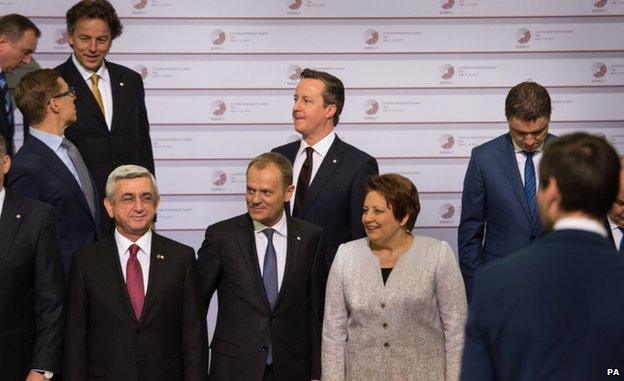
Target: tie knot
268,232
529,155
67,144
95,79
134,250
309,152
621,229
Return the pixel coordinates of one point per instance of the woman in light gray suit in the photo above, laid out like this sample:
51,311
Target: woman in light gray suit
395,305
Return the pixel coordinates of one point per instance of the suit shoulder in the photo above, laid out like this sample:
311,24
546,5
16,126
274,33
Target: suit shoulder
124,70
304,225
287,147
356,153
31,205
177,246
225,226
493,144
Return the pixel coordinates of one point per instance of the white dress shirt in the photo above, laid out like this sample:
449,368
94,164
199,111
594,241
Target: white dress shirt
521,160
320,151
54,143
280,242
2,195
104,85
579,223
145,246
617,234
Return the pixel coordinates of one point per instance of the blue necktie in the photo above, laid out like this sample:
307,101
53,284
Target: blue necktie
621,250
7,98
529,182
269,277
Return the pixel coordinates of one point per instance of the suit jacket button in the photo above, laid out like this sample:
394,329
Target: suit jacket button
272,320
386,345
383,306
265,349
138,332
385,325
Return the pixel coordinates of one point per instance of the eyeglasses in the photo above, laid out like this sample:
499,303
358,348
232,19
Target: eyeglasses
71,91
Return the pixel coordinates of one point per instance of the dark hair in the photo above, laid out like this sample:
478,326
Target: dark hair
262,161
334,93
528,101
400,193
94,9
3,148
14,26
34,91
587,171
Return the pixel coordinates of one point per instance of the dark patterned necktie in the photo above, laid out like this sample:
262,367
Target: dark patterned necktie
303,182
529,182
4,88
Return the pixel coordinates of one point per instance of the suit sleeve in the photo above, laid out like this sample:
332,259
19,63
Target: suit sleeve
451,298
49,299
209,265
472,224
23,181
145,151
476,361
333,352
195,337
316,294
75,349
370,168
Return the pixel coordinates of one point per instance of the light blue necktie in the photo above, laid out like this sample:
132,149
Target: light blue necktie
529,182
7,98
269,277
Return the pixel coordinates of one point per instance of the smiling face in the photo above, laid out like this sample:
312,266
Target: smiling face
266,194
14,54
312,119
379,222
91,41
133,206
528,135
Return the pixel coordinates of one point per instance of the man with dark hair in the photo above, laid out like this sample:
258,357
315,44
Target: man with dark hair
31,286
329,174
48,167
18,41
112,127
499,213
134,307
552,311
615,222
269,272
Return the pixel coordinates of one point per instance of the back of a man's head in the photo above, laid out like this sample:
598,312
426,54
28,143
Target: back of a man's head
587,171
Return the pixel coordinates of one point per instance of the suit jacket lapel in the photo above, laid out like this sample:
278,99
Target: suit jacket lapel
510,167
330,163
158,265
247,243
293,247
109,256
84,94
56,166
9,223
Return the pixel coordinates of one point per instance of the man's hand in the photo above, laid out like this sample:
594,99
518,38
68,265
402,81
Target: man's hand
35,376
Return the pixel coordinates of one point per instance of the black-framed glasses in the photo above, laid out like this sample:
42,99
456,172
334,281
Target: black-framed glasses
71,91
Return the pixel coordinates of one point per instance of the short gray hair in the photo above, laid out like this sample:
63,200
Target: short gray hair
129,171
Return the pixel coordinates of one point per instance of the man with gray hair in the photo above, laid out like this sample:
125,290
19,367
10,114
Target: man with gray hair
134,308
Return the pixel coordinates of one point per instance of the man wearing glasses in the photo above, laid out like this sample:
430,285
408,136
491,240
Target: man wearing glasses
49,167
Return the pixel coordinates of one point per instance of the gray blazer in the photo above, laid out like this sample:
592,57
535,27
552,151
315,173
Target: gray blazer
410,329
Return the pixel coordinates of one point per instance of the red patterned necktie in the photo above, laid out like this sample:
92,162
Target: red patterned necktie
134,281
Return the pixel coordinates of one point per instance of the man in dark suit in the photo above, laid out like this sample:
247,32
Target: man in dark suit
269,272
615,218
48,167
329,173
499,213
134,306
31,286
553,311
18,41
112,127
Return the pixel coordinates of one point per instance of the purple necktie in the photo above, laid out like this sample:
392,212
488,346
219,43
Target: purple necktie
134,281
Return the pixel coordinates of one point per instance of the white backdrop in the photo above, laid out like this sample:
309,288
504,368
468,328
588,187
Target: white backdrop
426,82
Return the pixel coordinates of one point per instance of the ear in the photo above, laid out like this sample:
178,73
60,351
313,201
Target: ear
404,220
330,111
4,40
5,164
289,191
54,105
109,208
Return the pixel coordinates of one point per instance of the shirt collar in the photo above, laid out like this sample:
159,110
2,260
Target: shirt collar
612,224
321,147
51,140
2,195
279,227
86,74
123,243
518,149
579,223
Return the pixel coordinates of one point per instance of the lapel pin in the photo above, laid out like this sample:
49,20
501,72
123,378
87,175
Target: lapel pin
334,161
18,216
160,256
121,84
298,238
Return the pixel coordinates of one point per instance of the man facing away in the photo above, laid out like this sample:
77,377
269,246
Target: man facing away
134,307
112,127
269,271
18,41
48,167
329,174
553,310
499,210
31,286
